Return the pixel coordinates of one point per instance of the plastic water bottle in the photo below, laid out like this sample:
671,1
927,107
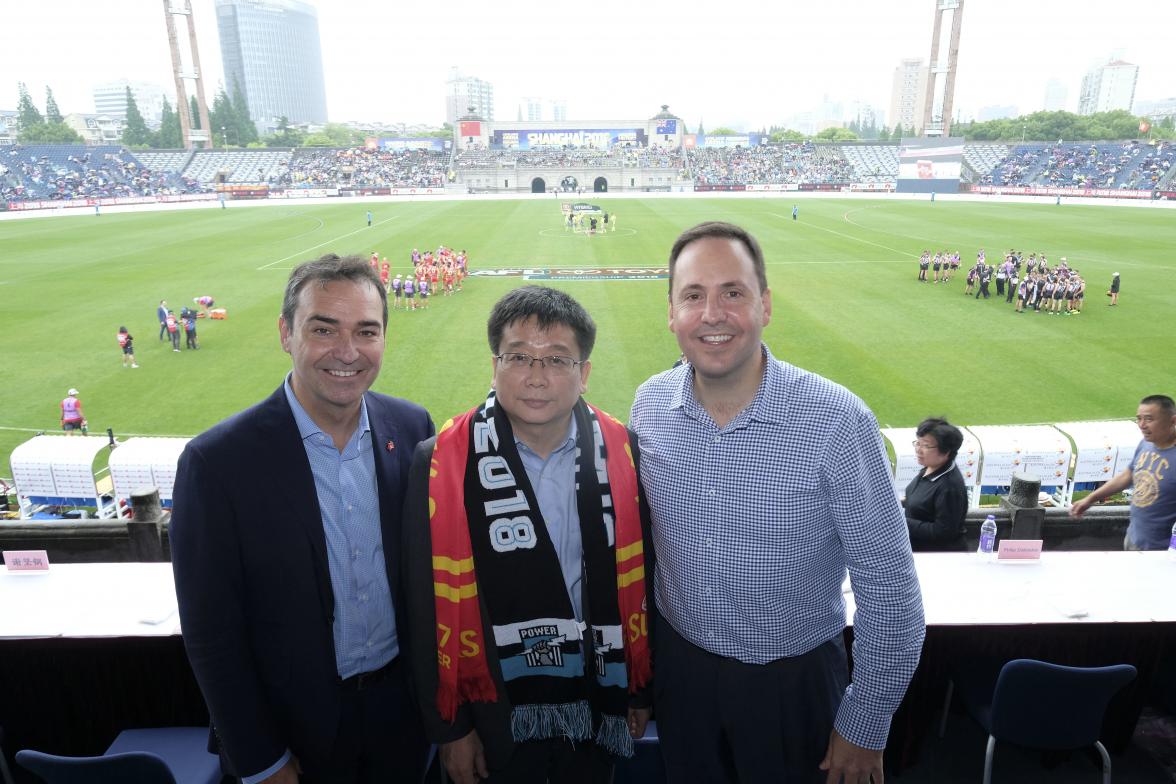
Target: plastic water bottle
987,537
1172,544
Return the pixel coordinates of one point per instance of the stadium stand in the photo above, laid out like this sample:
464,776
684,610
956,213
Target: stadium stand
797,162
238,166
316,168
164,160
572,158
983,158
1129,165
872,162
68,171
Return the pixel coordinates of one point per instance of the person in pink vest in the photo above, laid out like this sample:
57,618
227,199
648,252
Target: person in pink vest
72,417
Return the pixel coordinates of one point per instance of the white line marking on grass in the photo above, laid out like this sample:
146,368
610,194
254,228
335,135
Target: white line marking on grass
847,236
845,217
328,242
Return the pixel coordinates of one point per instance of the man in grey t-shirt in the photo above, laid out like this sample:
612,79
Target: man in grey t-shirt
1153,475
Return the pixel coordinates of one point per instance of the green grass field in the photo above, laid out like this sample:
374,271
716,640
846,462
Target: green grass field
846,304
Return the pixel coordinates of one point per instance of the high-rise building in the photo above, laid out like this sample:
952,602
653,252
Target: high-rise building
463,92
110,99
559,110
271,51
908,93
532,109
1055,96
1108,87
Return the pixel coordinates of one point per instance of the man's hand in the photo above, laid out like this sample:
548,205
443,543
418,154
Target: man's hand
287,774
465,760
850,764
638,718
1079,508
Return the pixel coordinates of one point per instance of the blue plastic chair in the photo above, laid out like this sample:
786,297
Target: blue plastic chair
1045,706
164,755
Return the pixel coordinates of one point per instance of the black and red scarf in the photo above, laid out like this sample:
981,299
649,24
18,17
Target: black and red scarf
483,512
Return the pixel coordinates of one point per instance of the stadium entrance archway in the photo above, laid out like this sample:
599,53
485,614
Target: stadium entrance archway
600,185
538,185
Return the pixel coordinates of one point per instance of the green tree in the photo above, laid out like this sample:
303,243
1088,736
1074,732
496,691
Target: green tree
135,133
52,113
48,133
334,135
785,135
285,136
169,136
723,132
26,111
223,120
883,134
194,112
837,135
246,130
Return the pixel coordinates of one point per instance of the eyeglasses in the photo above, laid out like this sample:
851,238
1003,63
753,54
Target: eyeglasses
924,447
514,360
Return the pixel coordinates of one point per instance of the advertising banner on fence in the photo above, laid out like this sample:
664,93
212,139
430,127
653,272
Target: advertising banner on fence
401,143
52,204
773,187
1106,193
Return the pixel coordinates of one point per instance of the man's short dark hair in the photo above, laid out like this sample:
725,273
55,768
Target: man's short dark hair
328,269
1163,401
948,438
549,307
726,231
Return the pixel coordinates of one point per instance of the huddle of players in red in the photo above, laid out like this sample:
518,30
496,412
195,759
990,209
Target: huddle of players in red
440,272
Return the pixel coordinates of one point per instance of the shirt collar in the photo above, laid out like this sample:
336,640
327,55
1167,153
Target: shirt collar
307,426
767,405
568,443
947,467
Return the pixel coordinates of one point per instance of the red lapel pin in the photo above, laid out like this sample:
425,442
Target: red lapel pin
389,446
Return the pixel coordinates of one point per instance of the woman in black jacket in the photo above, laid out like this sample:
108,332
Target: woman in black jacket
936,500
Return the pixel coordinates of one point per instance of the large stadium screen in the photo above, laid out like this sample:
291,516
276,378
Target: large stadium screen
533,139
930,165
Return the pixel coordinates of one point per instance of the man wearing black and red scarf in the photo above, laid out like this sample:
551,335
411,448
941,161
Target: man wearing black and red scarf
526,558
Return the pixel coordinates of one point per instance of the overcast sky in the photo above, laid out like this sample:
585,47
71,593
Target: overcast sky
745,64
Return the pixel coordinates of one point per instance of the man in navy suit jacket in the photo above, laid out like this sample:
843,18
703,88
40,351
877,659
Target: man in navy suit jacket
285,534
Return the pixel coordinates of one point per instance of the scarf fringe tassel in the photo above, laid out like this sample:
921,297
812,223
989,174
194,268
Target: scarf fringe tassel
535,722
613,736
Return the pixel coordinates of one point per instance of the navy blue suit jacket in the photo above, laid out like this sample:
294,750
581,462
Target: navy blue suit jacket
250,561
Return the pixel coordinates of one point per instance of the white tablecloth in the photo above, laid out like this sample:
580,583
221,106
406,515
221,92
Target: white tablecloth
138,599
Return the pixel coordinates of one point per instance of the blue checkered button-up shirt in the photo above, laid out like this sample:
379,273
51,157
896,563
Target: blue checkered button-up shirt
755,524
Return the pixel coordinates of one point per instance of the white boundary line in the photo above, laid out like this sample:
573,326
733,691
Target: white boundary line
328,242
847,236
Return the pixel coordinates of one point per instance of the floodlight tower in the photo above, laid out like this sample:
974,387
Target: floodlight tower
187,70
945,49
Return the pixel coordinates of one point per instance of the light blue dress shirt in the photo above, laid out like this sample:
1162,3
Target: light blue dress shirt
349,504
554,481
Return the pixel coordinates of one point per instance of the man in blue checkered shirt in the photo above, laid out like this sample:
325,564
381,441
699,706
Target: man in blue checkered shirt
766,484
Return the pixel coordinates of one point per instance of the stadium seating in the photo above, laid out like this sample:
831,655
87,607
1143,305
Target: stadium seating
1126,165
773,164
872,162
983,158
239,166
572,158
164,160
319,168
70,171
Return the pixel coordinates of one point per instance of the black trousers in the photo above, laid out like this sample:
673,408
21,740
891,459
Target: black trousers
556,760
721,720
380,740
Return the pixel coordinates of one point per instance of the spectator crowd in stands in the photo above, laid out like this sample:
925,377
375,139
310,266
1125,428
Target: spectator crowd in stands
364,167
61,172
1131,165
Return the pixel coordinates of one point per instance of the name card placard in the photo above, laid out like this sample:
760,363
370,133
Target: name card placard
26,560
1019,550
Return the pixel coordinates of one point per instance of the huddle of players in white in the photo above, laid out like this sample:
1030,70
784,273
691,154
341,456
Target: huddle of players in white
1057,289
